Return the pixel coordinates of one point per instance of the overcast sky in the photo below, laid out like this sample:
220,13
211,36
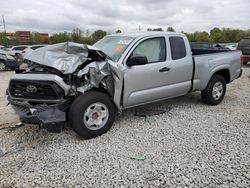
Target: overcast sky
64,15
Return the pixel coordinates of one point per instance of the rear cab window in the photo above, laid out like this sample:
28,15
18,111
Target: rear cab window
36,47
19,48
178,47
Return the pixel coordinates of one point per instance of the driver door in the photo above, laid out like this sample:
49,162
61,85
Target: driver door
146,83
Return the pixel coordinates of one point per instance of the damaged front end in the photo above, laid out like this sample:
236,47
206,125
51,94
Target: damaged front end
59,73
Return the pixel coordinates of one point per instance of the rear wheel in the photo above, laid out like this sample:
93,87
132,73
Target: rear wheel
215,90
2,66
92,114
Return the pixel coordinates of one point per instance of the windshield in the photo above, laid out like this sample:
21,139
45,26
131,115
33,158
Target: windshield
114,46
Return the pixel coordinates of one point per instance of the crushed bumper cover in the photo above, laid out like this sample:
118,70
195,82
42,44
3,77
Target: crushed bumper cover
41,114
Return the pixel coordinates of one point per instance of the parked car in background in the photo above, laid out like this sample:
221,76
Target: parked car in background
17,50
87,85
30,49
204,47
244,46
231,46
7,61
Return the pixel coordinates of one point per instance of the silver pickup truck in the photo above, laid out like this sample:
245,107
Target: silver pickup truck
86,86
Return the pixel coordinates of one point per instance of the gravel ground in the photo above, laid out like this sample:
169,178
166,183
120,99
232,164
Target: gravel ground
191,145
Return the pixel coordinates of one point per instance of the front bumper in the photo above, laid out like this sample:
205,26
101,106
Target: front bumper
41,114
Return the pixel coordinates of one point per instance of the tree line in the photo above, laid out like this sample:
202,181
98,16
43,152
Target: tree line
216,35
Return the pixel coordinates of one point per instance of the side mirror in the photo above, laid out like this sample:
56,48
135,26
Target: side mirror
137,60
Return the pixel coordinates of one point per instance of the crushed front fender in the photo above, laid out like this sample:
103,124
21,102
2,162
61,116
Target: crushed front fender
97,71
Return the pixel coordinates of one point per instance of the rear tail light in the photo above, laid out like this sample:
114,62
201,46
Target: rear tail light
242,59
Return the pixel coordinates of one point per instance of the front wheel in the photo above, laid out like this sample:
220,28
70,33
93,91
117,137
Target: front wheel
92,114
215,90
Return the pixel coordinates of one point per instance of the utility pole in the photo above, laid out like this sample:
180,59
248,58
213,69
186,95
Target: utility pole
139,28
4,27
4,24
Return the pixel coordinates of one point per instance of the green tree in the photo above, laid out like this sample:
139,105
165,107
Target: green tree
216,35
242,34
155,29
60,37
97,35
87,33
86,40
158,29
76,35
190,36
3,39
171,29
202,37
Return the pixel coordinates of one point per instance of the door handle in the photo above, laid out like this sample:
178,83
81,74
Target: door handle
164,69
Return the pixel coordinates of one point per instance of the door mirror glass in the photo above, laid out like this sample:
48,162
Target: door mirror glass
137,60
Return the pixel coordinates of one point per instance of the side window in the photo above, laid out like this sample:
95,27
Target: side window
154,49
36,47
178,48
20,48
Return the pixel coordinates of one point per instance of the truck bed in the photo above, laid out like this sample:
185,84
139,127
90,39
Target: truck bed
207,64
208,51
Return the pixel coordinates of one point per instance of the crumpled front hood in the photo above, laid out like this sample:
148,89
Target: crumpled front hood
65,57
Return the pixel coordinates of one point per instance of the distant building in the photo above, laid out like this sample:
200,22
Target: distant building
23,36
42,37
27,37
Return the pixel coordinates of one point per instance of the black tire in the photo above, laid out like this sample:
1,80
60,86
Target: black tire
245,62
207,94
79,107
2,66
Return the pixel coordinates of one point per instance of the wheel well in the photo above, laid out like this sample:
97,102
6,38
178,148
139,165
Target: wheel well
103,90
106,86
100,89
225,73
1,60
